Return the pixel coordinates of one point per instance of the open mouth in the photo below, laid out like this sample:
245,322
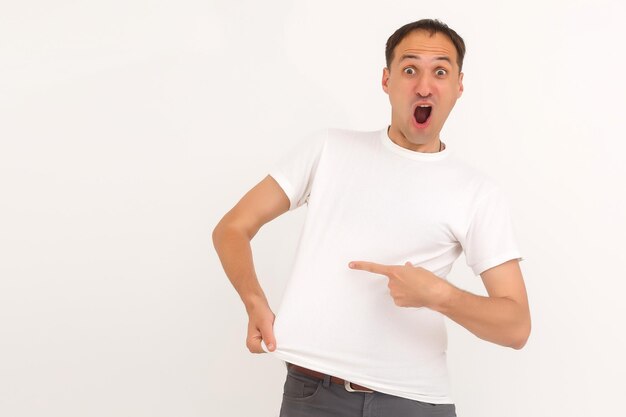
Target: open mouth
422,114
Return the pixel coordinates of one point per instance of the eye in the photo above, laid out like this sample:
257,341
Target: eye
409,71
441,72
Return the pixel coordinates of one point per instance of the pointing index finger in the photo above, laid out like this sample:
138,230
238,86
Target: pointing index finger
370,267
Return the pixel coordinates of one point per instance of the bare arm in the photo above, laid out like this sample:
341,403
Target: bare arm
231,238
503,317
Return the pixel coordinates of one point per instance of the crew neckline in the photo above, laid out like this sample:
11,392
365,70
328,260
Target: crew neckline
407,153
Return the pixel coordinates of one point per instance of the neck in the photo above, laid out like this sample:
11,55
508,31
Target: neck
431,146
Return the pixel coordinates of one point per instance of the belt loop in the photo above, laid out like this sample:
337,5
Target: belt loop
326,382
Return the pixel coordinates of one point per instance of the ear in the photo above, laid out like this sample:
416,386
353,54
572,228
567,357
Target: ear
460,85
385,80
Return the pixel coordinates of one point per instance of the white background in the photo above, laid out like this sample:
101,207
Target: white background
128,128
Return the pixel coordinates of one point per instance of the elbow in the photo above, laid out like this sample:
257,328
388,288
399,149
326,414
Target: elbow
519,344
521,337
219,232
230,228
215,235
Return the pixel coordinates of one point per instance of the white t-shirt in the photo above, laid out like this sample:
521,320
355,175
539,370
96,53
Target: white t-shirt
372,200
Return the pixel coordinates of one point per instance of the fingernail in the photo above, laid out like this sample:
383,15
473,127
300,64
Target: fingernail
270,346
351,264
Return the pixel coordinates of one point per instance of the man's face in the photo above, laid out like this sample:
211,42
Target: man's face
423,85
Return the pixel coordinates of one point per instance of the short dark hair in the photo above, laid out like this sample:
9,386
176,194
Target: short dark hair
432,26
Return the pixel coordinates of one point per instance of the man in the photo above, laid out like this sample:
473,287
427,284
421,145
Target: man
399,205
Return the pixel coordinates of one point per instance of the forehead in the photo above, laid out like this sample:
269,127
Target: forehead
421,43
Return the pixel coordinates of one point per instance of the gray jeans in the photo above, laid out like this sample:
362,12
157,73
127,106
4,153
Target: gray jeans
306,396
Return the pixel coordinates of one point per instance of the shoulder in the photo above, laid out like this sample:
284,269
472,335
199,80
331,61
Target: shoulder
477,183
352,138
321,141
348,134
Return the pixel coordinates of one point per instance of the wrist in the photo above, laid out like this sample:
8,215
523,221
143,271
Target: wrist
254,302
445,296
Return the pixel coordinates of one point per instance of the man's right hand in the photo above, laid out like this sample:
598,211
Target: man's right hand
261,327
232,237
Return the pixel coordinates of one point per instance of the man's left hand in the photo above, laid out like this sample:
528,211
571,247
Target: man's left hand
409,286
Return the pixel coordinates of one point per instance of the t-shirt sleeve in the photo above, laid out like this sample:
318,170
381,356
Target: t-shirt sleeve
295,171
490,238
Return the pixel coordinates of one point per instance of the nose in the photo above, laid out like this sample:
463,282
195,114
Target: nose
423,86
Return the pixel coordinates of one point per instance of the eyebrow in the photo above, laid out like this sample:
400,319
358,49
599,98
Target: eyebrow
437,58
